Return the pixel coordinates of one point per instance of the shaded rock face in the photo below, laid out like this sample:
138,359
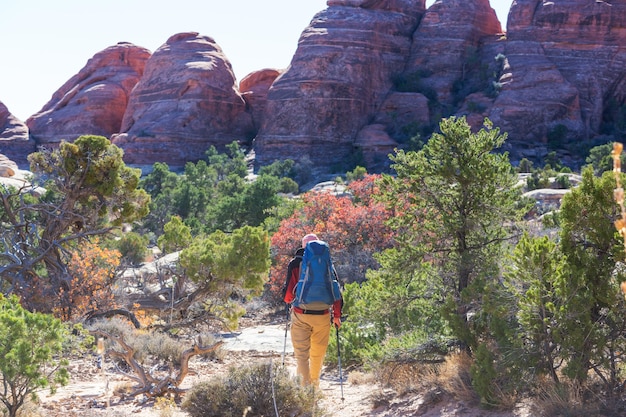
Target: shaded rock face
337,80
186,101
94,100
563,85
15,143
446,46
254,88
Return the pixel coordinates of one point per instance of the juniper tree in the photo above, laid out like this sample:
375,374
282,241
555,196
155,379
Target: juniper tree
79,190
593,312
456,202
30,347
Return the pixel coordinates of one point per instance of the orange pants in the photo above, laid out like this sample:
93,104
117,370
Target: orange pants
309,335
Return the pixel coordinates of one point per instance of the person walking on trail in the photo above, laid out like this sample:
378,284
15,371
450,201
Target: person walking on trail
313,291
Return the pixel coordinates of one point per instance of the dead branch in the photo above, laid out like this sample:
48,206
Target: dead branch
151,386
93,315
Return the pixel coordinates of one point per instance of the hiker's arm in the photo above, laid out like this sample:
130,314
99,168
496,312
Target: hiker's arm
337,305
292,280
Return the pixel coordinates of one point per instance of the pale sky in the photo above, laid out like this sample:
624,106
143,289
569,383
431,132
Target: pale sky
43,43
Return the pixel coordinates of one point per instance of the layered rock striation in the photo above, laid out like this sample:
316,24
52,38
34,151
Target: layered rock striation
563,84
368,76
254,88
15,143
94,100
339,77
186,101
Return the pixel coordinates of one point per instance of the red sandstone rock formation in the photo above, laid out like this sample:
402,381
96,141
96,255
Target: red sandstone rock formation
447,45
337,80
185,102
367,74
14,140
564,80
94,100
253,88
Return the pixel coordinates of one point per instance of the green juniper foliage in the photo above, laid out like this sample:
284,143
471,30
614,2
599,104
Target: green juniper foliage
30,348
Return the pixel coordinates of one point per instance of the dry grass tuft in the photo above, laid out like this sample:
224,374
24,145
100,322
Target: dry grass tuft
451,376
403,376
563,400
361,378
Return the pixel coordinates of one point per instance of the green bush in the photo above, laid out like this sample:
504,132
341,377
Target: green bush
288,186
30,347
538,179
563,182
133,248
357,173
251,391
525,166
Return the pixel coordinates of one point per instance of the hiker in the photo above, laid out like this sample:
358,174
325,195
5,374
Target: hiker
310,321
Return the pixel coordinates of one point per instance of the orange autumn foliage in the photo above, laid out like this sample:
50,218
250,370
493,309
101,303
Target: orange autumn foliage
92,269
354,226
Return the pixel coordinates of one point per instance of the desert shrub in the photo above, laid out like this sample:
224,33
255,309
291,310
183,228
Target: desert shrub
357,173
483,374
146,344
303,170
408,359
538,179
563,182
280,169
159,345
451,376
251,391
133,248
288,186
525,166
403,376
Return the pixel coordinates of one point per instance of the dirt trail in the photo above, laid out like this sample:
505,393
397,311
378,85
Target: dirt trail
91,391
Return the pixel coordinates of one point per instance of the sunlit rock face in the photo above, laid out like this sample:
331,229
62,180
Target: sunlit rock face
186,101
93,101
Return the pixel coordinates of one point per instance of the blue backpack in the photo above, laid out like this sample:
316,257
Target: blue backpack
317,288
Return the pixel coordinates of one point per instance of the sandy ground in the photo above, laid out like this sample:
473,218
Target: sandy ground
92,392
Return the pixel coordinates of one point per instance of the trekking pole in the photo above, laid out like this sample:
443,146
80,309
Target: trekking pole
339,363
286,329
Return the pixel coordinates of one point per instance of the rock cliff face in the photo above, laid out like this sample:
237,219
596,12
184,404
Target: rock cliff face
94,100
186,101
368,76
338,79
446,46
14,141
563,83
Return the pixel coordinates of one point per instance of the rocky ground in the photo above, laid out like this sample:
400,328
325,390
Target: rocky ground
93,392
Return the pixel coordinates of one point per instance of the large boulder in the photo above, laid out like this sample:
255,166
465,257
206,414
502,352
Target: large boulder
254,88
15,143
338,78
94,100
12,176
186,101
